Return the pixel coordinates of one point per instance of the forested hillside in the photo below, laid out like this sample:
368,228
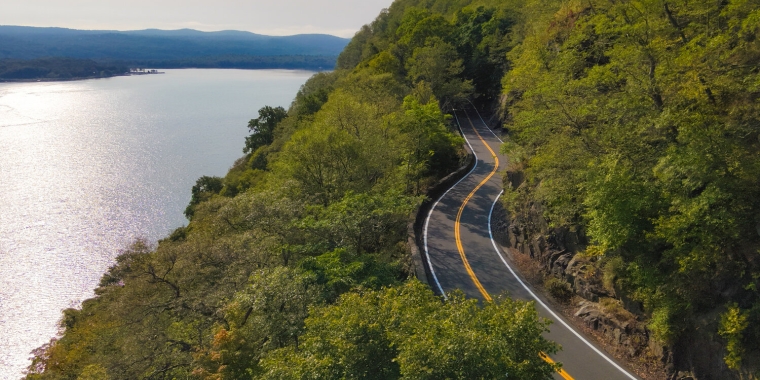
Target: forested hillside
633,124
636,124
19,42
170,48
295,264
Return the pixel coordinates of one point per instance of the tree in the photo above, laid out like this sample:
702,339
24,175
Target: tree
263,127
364,222
406,332
267,314
637,123
438,64
430,147
348,147
203,189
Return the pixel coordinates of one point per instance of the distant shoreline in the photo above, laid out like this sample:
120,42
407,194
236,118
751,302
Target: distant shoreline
67,69
49,80
2,80
28,54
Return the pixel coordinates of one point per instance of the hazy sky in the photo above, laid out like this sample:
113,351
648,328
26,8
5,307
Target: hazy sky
275,17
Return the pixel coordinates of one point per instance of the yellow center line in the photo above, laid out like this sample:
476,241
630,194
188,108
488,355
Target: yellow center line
560,371
457,223
457,236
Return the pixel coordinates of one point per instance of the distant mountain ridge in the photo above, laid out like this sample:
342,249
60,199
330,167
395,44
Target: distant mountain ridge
20,42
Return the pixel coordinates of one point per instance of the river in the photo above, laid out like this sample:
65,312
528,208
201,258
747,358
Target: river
88,166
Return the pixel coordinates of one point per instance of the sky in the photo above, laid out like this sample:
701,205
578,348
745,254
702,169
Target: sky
273,17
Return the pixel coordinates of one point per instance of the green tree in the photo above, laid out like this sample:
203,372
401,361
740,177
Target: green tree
633,124
438,64
204,188
267,314
364,222
263,127
408,332
431,148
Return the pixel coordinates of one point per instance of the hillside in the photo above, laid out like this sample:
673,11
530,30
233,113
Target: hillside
635,148
172,48
634,154
295,264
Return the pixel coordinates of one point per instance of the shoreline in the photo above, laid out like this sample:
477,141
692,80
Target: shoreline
49,80
59,79
73,79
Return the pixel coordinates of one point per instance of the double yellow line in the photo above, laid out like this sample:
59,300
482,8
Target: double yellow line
457,223
457,236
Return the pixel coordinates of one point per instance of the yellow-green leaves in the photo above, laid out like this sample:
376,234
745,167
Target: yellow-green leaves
637,122
438,64
732,325
407,332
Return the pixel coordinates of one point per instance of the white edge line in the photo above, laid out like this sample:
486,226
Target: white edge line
562,321
427,220
484,122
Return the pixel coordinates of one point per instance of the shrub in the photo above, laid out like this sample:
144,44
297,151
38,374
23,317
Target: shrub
559,289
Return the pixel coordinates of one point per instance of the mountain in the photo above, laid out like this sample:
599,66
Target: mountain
19,42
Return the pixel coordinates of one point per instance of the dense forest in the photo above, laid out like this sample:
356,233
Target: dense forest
638,124
635,123
295,265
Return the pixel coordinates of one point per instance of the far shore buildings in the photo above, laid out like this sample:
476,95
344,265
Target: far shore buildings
140,71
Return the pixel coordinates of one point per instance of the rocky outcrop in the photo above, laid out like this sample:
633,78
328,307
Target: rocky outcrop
617,322
621,329
603,311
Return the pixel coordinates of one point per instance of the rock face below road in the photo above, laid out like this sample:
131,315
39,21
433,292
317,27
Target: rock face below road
554,257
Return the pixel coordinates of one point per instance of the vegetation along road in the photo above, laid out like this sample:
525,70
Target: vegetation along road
461,252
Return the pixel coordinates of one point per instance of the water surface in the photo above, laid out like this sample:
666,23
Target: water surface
88,166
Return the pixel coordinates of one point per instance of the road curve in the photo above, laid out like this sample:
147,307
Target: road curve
464,256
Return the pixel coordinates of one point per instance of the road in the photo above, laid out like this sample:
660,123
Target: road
461,254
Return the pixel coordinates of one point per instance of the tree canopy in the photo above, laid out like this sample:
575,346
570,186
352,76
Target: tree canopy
637,122
295,264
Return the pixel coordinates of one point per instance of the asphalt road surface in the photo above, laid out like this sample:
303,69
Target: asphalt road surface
461,253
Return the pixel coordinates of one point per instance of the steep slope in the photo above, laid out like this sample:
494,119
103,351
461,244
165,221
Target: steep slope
294,265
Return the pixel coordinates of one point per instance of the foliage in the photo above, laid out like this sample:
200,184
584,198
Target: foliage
407,332
732,325
637,122
430,148
263,127
267,314
363,222
559,289
293,265
438,64
204,188
340,271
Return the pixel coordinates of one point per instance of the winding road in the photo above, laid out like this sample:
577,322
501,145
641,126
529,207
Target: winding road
461,253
